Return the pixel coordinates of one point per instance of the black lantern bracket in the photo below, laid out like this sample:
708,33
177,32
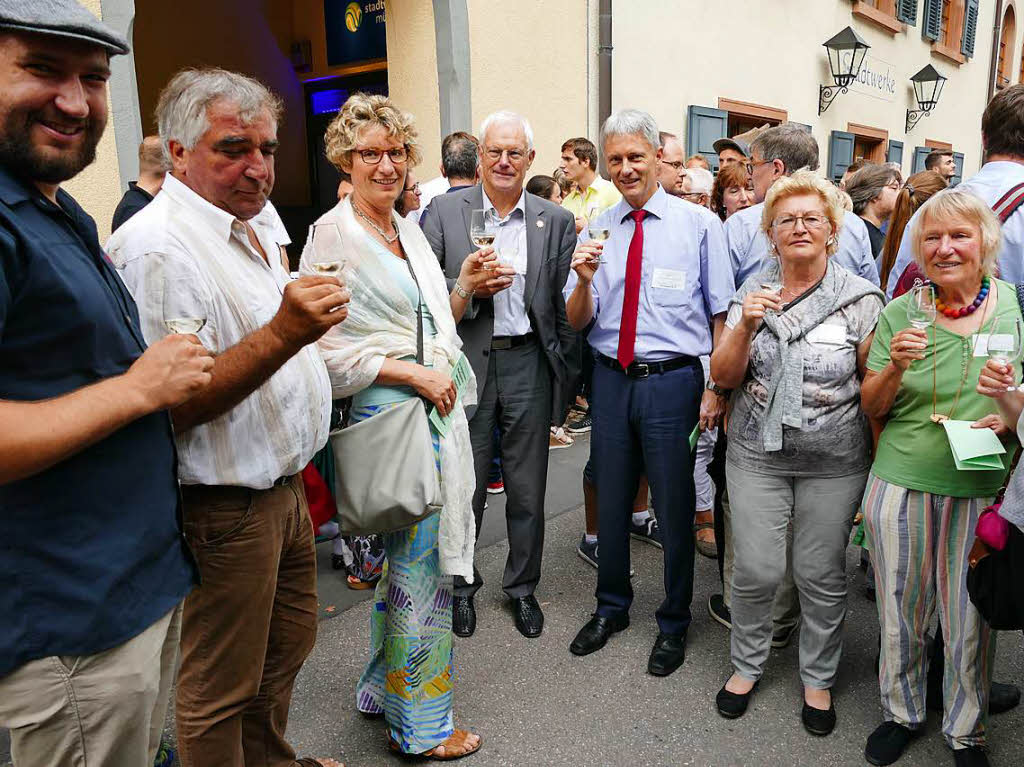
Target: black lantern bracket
927,89
846,52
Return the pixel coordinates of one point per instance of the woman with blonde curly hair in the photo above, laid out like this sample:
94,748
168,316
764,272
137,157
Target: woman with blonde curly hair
398,293
793,350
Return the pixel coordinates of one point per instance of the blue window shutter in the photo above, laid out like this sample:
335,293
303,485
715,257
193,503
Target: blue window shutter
894,152
906,11
970,28
920,154
704,126
931,24
958,158
840,153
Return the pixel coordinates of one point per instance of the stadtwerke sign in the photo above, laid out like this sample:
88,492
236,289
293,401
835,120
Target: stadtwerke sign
355,31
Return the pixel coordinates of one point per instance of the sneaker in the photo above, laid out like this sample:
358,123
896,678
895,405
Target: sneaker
718,610
496,488
559,439
781,637
646,531
588,553
579,423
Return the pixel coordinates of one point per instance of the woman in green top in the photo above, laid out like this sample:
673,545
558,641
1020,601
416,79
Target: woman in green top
919,509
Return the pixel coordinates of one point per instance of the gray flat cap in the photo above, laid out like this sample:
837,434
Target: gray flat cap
62,18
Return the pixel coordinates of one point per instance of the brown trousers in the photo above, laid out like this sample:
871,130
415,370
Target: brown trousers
248,627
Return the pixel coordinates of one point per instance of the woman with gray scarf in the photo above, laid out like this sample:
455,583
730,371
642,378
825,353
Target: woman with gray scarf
794,349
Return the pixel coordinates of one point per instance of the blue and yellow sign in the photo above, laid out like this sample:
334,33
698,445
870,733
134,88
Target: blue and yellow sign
355,31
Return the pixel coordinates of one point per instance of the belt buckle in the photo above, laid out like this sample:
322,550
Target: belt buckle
501,344
641,370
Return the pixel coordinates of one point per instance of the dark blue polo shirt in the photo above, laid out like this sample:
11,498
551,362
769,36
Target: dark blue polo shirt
91,550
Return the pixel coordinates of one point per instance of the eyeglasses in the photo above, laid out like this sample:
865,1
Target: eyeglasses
692,195
752,165
677,165
415,188
374,156
812,221
515,156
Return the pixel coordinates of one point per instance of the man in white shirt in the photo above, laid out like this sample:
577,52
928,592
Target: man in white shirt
191,256
777,152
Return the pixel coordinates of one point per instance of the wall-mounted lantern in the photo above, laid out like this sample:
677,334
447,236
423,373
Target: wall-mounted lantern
846,53
927,89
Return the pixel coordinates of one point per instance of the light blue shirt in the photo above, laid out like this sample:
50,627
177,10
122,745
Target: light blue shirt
990,183
748,245
510,317
685,279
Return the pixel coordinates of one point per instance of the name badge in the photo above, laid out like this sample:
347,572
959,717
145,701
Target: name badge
832,335
669,279
982,342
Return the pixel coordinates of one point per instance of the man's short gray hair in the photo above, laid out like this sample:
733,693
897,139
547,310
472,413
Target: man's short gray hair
181,111
504,117
790,143
631,122
701,180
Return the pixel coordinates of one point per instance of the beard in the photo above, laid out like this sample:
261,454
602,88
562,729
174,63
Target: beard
24,158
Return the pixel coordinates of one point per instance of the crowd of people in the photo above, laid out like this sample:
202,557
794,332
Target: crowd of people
752,332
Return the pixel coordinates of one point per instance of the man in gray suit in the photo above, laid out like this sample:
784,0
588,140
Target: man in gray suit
516,337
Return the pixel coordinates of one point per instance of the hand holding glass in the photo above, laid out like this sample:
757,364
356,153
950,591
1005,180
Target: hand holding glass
1004,342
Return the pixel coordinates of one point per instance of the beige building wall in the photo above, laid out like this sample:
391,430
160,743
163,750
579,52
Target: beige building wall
674,53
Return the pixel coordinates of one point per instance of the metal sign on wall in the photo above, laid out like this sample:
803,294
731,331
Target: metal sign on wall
355,31
877,79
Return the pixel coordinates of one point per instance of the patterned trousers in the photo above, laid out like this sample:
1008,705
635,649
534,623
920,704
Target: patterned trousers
919,544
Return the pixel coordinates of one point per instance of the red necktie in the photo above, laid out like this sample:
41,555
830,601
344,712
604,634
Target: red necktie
631,299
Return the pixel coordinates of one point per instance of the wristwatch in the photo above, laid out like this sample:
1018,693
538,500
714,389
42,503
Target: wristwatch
712,386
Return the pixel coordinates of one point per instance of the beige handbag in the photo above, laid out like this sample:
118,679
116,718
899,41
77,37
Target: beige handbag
385,473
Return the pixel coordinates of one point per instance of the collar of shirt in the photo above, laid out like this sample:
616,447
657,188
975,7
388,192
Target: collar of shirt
655,206
220,220
520,206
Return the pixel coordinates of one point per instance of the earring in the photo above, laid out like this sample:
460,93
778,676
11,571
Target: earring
831,242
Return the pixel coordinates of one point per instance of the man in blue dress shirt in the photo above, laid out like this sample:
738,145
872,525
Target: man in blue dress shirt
652,296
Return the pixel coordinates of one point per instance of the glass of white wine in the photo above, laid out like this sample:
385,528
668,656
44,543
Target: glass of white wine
769,286
483,231
599,233
921,310
328,257
1004,342
183,314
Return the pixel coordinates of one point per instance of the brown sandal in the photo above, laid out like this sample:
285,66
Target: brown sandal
458,736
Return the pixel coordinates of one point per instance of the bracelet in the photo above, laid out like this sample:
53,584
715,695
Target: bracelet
461,292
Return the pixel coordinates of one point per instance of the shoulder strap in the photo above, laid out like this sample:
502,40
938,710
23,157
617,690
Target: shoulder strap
419,313
1006,205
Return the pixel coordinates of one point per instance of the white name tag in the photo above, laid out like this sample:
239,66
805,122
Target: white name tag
997,342
670,279
833,335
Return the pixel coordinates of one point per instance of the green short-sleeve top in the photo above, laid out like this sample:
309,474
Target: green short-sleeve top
912,451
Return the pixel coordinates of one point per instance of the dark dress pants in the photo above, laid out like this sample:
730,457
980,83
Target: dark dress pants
638,424
516,398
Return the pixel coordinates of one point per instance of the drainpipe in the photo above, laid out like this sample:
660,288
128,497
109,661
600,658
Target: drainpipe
994,64
604,67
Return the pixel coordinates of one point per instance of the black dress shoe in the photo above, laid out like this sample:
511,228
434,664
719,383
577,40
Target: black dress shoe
593,636
1003,697
972,756
667,655
886,744
818,722
733,705
463,616
529,618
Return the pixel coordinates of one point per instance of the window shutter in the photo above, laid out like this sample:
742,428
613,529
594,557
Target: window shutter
906,11
970,28
894,153
704,126
840,153
920,154
931,24
958,158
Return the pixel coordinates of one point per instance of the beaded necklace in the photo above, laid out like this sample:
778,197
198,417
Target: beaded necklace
963,311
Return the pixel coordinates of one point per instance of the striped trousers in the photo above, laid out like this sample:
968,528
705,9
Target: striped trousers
919,544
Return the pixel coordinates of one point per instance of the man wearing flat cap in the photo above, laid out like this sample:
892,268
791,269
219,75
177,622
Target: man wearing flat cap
93,568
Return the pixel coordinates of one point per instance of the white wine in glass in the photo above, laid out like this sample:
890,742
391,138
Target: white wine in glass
185,325
921,310
483,232
1004,342
328,255
328,268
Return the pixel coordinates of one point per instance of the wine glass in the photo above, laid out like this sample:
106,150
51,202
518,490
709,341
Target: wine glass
183,311
921,310
772,286
598,233
483,231
328,256
1004,342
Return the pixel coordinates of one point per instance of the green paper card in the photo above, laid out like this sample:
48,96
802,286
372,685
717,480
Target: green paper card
973,449
694,436
460,376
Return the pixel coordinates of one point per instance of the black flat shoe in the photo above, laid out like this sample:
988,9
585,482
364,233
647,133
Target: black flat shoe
463,616
593,636
667,655
733,705
972,756
887,743
1003,697
529,617
818,722
337,561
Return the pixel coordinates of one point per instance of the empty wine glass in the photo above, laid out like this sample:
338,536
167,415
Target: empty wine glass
921,310
1004,342
772,286
328,255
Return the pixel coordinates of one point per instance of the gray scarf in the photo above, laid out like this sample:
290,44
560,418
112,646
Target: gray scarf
838,288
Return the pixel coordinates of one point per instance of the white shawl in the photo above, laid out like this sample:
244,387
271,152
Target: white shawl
381,323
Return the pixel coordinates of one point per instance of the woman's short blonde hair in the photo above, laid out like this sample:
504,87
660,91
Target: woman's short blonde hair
805,182
363,111
951,204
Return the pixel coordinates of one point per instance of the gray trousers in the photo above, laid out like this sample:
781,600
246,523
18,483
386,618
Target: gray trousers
516,398
821,512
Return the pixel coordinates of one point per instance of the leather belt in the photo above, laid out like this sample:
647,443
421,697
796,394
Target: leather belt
511,342
645,369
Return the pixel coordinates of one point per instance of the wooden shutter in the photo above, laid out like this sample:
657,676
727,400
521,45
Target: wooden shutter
840,153
894,152
958,158
970,28
704,126
906,11
920,154
931,23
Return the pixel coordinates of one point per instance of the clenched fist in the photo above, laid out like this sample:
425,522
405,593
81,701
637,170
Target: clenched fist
310,307
171,371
